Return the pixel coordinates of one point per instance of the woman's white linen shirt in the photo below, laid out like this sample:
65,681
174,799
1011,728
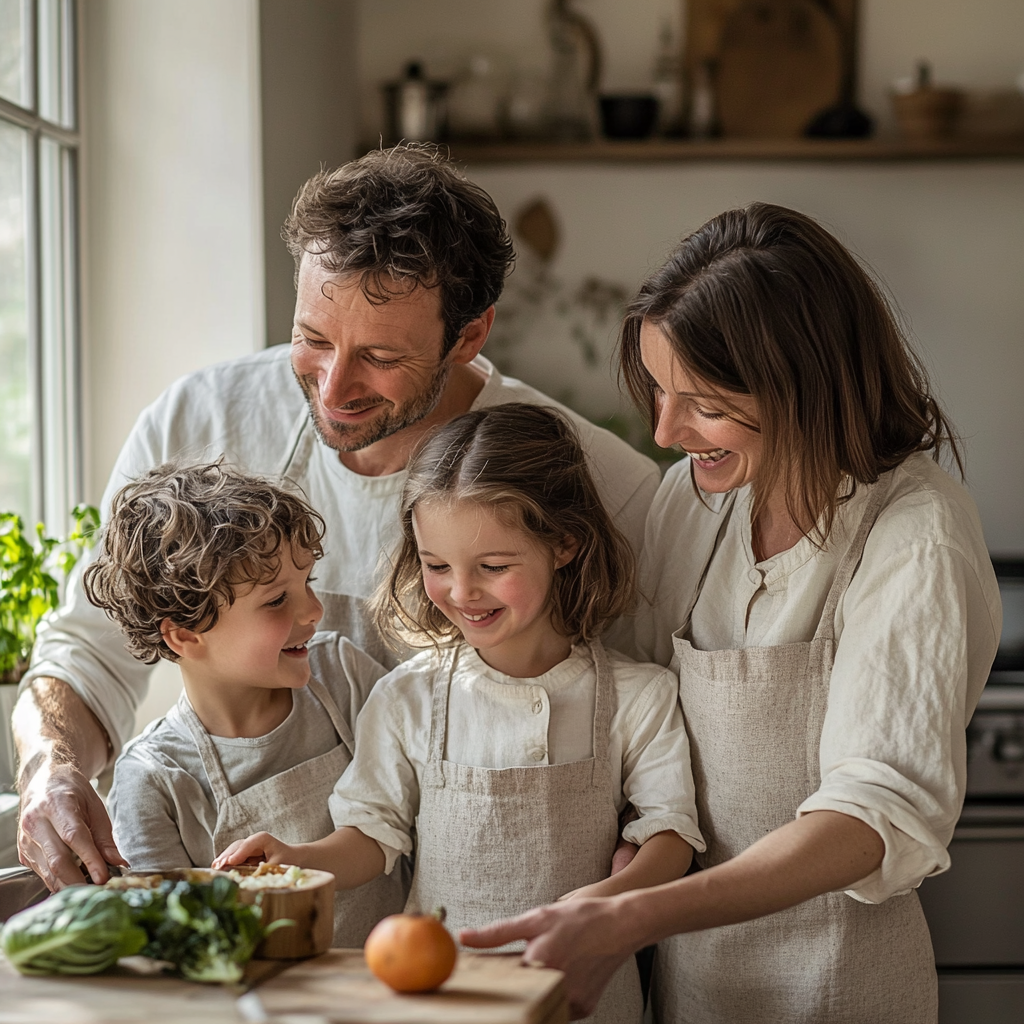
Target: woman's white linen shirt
916,634
497,721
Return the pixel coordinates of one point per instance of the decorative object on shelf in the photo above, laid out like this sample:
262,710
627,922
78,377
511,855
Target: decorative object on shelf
474,102
991,114
575,74
924,110
628,116
667,79
779,64
560,336
414,107
702,118
525,111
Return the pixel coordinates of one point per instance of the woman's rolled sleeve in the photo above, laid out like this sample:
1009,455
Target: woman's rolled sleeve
916,640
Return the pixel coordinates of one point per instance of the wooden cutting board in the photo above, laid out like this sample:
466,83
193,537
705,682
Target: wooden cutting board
483,990
781,62
335,987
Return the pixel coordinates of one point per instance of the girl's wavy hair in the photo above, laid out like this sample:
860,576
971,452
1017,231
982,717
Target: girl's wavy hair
403,218
182,541
763,301
526,465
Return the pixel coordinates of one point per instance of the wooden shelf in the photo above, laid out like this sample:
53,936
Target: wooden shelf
682,150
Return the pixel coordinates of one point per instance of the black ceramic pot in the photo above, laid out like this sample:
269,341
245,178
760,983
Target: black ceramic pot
628,116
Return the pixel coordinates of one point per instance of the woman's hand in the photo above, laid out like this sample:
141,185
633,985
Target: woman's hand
254,849
588,939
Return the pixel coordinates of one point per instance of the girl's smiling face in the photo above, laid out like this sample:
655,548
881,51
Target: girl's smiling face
493,582
718,434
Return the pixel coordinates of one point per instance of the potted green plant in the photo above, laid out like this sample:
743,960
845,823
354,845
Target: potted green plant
31,575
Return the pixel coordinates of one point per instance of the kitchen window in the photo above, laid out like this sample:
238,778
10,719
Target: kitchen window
40,458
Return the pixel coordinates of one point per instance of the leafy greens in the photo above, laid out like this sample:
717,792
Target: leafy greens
199,928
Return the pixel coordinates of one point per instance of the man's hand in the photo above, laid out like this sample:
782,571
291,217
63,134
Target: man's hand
62,819
61,746
586,938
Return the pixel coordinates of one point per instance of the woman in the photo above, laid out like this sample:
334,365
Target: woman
823,589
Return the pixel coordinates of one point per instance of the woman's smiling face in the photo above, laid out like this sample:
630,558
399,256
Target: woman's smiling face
726,452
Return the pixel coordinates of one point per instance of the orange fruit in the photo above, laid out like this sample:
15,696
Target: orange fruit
411,952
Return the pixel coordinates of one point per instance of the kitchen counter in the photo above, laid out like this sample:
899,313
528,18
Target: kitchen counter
335,987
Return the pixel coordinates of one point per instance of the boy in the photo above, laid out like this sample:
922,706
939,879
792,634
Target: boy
211,568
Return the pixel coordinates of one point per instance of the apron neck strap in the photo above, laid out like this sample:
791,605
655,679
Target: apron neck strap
851,560
338,720
207,751
439,705
602,700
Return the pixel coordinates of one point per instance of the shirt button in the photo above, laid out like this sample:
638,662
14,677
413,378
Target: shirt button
538,706
755,576
538,754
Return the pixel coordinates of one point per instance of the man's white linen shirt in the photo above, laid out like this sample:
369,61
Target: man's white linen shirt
497,721
252,411
916,634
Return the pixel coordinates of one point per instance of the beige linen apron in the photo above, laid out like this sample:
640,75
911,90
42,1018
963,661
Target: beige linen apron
494,842
293,807
754,717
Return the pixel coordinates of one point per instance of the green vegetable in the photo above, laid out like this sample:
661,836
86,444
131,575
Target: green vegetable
79,930
199,928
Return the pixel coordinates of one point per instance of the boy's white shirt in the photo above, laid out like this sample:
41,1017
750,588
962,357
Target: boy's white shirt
497,721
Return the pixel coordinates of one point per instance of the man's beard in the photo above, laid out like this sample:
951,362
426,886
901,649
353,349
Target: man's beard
358,436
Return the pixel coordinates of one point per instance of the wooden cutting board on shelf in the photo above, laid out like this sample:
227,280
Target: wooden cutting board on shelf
777,63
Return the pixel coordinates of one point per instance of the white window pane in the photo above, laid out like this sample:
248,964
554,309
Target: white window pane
57,330
55,24
16,405
14,52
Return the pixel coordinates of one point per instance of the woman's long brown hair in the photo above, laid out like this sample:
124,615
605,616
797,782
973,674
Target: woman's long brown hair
763,301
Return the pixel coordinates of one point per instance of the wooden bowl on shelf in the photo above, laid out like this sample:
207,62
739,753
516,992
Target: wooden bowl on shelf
310,906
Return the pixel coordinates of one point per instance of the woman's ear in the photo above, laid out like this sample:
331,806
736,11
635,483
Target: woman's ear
185,643
566,551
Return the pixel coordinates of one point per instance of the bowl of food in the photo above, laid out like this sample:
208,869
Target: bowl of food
289,893
283,892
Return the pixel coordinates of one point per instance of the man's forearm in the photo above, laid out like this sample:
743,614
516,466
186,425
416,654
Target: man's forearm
820,852
52,723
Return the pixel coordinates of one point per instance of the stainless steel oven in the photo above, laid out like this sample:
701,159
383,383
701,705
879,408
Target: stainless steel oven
976,909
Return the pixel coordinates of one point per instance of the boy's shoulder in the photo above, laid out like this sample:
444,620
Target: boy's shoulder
164,743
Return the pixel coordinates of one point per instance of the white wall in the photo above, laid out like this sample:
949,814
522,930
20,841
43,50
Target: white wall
172,212
947,238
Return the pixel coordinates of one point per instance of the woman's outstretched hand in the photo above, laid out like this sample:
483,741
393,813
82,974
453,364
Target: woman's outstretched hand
585,938
261,846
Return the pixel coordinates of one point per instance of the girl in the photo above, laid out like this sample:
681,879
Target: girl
510,746
823,588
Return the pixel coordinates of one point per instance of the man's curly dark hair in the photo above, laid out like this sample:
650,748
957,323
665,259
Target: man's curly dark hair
405,215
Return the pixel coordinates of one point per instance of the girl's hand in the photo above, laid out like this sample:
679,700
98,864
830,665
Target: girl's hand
254,849
585,938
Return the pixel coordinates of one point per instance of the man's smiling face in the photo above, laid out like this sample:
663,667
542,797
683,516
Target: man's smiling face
367,370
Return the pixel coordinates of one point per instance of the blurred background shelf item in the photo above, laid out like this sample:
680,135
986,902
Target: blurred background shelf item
956,147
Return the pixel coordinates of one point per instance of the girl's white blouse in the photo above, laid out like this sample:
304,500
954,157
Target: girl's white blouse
916,634
497,721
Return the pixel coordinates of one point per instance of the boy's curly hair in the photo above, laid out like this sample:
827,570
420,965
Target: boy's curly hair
181,540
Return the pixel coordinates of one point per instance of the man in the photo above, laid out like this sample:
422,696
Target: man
399,261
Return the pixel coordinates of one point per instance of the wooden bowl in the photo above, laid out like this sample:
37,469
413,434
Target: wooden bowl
311,907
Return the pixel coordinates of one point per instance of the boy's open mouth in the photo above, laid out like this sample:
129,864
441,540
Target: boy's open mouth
298,651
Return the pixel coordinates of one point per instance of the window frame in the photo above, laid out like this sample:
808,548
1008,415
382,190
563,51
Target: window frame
54,350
